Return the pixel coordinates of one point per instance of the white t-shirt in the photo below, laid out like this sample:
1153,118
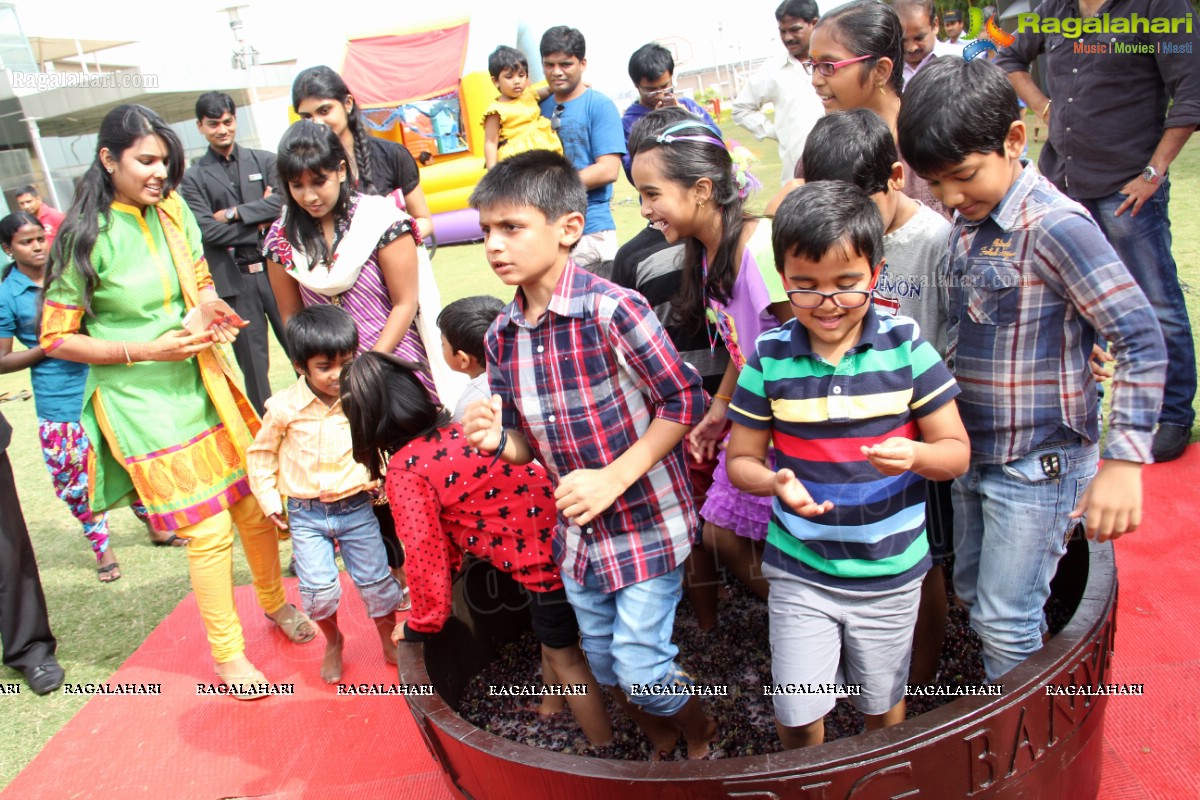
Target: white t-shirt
916,255
476,389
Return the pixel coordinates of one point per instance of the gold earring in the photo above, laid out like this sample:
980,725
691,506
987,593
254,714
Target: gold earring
881,88
700,203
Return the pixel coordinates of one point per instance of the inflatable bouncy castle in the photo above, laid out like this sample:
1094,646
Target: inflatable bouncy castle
410,87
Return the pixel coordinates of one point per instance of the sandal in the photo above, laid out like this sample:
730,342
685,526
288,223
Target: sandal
243,687
405,603
292,625
172,541
106,573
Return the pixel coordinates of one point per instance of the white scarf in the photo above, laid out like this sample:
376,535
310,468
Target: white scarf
372,217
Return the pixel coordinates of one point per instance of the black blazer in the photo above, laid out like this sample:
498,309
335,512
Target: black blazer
206,190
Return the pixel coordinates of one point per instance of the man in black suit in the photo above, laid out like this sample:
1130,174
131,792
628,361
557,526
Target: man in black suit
24,624
230,190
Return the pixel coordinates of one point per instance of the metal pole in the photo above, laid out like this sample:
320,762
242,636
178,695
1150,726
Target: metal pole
246,57
36,136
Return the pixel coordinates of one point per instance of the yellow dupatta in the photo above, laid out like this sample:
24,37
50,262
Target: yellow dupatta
235,411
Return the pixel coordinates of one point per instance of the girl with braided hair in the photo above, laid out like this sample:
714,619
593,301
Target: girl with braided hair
377,166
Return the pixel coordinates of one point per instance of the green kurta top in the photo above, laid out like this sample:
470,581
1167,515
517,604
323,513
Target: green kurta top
155,426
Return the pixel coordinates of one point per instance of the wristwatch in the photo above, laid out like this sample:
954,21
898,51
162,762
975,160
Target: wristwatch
231,213
1150,174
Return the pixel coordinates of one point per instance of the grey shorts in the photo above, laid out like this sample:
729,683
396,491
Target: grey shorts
822,636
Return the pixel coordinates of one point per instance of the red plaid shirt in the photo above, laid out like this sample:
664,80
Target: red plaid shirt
583,384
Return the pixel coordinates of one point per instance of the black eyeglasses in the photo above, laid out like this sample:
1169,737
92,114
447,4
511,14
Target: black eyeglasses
811,298
556,117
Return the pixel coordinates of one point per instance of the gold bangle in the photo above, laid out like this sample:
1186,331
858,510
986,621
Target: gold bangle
128,360
1044,110
724,397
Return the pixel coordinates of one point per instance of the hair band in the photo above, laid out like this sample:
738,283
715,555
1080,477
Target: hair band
667,136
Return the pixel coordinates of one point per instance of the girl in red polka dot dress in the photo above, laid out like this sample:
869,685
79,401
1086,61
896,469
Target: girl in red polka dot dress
448,499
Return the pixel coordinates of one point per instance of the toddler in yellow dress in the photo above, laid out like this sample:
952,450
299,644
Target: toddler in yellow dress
513,123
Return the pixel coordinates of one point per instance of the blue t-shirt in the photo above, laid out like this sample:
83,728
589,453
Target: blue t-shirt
57,384
590,127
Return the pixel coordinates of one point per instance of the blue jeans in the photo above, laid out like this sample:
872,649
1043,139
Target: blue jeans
352,524
626,636
1144,245
1011,527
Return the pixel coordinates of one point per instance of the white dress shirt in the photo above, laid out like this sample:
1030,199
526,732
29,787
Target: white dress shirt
783,82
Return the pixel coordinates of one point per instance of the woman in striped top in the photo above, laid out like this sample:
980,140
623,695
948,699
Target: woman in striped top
335,246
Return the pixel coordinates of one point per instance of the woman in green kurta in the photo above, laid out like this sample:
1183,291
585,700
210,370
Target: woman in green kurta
162,407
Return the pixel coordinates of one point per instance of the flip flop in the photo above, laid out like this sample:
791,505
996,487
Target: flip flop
173,541
108,571
254,678
405,603
290,626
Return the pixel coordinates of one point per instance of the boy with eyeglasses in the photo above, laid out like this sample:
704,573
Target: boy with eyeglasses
589,127
861,411
652,70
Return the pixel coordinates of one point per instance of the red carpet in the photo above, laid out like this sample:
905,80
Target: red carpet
313,745
316,745
1152,743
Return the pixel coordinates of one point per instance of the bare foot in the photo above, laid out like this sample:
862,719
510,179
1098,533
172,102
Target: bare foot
331,664
384,626
698,749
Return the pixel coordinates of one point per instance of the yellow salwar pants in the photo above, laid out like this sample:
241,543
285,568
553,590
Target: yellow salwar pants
210,563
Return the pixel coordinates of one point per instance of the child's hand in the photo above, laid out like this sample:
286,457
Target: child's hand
398,633
705,439
481,422
792,491
891,456
585,493
1112,501
279,520
1100,357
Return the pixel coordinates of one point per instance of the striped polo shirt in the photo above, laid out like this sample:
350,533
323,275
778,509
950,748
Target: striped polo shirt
819,416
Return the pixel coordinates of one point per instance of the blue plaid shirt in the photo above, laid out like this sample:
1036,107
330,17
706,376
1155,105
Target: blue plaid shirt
583,384
1031,287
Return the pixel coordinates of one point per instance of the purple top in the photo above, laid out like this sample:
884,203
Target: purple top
367,301
757,286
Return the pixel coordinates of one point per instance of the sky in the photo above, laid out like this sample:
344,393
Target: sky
197,32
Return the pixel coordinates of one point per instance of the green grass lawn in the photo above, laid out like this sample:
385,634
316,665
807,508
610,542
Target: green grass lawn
98,626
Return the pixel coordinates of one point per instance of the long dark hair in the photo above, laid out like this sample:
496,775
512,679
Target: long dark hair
387,406
8,229
313,148
685,160
869,28
326,84
121,128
